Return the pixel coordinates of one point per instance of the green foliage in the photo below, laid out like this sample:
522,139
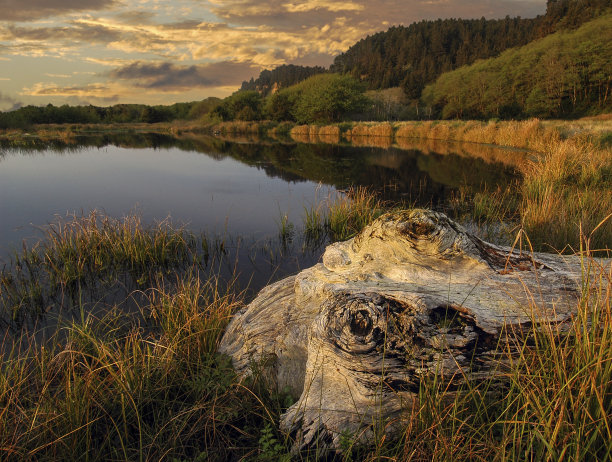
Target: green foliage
242,105
322,98
566,73
271,448
281,77
279,106
327,98
119,113
202,108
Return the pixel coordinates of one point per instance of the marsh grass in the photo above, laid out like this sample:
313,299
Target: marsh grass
150,387
566,190
342,215
89,252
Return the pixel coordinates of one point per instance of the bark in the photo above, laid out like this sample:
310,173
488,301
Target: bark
412,295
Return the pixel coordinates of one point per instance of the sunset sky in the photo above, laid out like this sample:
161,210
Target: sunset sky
104,52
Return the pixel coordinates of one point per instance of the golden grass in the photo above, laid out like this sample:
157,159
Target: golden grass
530,134
568,190
384,129
316,134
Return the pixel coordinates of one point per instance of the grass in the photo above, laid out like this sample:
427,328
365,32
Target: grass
147,388
93,251
566,190
148,384
341,216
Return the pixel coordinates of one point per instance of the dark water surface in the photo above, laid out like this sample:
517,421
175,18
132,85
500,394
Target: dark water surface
234,192
214,185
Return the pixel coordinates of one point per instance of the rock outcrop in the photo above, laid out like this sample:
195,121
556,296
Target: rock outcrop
413,294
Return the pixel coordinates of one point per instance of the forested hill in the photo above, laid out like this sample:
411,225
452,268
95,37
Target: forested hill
281,77
413,56
565,74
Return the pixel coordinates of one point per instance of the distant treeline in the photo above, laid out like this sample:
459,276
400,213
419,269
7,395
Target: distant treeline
120,113
564,74
281,77
413,56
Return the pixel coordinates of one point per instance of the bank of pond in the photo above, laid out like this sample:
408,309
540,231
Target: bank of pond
124,255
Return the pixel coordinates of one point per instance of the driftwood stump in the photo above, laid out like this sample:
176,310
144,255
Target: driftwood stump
412,294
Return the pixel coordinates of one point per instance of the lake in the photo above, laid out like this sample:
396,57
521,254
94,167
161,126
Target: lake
235,191
241,188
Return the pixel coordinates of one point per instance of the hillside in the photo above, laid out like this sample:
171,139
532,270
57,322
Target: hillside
280,77
413,56
567,73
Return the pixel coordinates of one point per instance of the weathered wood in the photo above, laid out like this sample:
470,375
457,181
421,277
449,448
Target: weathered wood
412,294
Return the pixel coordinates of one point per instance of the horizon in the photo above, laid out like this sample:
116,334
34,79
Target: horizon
107,52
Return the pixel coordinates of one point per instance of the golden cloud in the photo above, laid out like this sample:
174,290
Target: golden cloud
30,10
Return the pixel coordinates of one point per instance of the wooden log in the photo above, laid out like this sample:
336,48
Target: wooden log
413,294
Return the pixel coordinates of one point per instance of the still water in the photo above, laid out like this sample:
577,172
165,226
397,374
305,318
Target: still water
217,186
233,193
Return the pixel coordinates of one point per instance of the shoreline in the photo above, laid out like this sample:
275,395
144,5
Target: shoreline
531,134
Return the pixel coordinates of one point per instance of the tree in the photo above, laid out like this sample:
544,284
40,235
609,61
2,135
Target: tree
279,106
329,98
242,105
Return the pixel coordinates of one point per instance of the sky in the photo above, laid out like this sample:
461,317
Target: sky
105,52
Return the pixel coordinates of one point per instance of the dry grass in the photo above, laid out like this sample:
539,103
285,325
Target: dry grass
151,386
370,129
567,190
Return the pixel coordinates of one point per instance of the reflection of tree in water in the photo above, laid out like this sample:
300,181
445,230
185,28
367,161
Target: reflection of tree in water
409,175
401,174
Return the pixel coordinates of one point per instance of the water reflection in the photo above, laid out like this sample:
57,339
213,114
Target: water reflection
241,185
235,191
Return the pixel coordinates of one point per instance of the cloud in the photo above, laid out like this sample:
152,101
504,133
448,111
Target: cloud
370,15
30,10
165,76
8,103
332,6
77,31
136,17
97,91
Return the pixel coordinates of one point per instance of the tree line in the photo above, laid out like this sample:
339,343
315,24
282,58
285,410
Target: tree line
568,73
119,113
412,56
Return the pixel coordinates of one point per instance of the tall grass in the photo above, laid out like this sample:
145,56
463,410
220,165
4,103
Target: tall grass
565,190
341,216
92,251
121,388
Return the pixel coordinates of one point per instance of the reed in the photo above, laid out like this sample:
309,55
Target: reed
371,129
142,388
341,216
567,190
88,251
